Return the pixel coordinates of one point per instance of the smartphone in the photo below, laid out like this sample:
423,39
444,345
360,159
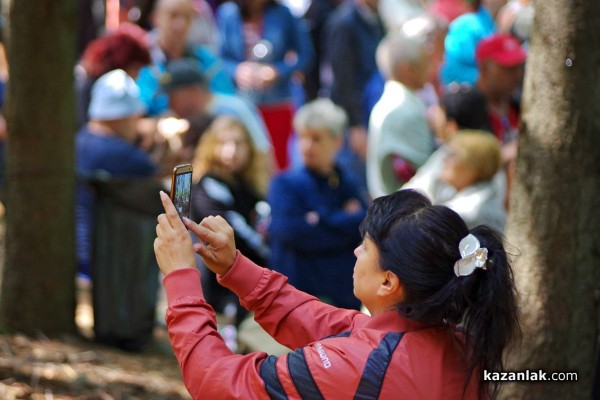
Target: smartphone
181,189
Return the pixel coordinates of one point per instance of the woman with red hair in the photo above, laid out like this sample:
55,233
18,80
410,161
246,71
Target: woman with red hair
126,49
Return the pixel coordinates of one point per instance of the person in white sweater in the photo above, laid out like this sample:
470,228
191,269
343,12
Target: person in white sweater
465,175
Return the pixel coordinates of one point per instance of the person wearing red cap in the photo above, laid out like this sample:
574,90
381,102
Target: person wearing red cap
500,60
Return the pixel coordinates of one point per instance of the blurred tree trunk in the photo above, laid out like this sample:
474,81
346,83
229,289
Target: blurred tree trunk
38,292
554,220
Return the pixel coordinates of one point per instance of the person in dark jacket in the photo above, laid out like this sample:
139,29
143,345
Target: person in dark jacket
316,210
352,34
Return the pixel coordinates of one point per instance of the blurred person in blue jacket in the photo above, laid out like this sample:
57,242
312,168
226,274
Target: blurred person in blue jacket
264,48
316,210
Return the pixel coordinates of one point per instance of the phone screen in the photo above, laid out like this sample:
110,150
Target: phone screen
181,189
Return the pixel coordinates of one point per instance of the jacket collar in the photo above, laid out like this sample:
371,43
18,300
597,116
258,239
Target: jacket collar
394,322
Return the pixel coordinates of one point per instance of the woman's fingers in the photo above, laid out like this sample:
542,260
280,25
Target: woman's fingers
217,245
203,233
170,210
159,226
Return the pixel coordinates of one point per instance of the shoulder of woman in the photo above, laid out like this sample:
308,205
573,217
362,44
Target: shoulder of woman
228,9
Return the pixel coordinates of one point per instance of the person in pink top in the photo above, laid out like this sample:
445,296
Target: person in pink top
420,273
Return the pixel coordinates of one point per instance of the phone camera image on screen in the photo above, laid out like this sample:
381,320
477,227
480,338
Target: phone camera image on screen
181,189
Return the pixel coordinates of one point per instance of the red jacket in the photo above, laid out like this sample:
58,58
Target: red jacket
385,357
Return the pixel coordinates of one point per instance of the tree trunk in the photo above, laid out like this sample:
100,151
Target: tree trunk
38,292
554,221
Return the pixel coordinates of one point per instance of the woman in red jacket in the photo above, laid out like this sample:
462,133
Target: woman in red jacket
424,278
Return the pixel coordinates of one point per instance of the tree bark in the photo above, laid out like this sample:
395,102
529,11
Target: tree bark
38,292
554,221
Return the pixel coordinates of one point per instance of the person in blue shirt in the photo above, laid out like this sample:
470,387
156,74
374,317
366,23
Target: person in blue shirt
264,47
316,210
169,41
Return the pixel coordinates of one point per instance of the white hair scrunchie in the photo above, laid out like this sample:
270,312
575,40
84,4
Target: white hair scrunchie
472,256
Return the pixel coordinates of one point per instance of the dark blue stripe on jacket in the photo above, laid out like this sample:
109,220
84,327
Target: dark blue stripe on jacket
369,386
371,380
343,334
268,373
301,376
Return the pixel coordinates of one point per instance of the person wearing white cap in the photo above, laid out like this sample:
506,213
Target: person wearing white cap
106,145
115,104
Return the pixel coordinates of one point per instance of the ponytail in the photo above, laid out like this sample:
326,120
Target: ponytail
490,317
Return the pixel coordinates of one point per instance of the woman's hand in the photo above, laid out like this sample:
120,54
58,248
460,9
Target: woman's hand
353,206
253,75
217,246
173,244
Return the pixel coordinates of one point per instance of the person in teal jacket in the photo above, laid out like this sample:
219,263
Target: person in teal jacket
461,40
169,41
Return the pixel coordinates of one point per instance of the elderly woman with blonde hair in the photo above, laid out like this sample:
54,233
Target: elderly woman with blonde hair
466,175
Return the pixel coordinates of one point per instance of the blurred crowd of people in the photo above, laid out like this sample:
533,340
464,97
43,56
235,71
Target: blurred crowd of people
297,117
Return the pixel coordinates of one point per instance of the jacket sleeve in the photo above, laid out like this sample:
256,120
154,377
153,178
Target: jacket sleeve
290,316
342,221
299,41
228,20
210,370
214,70
289,225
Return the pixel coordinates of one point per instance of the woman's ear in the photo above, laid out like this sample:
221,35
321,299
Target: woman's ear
391,287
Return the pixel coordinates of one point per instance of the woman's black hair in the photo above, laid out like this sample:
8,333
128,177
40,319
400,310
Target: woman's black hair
419,243
245,9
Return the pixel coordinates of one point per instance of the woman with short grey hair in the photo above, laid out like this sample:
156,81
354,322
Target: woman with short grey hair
321,113
316,209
